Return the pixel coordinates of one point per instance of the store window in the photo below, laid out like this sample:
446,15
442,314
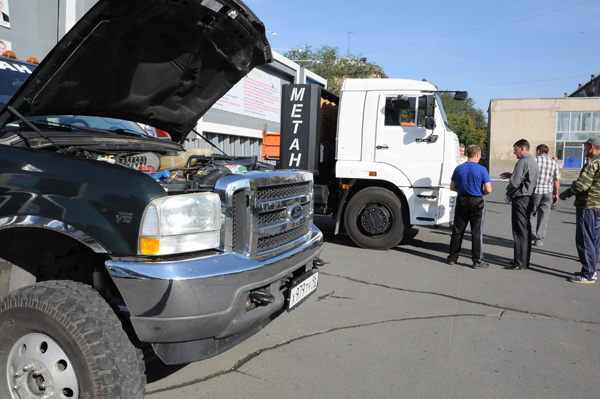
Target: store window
577,126
563,122
596,121
572,130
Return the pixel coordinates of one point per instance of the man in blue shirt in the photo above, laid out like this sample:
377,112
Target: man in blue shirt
471,181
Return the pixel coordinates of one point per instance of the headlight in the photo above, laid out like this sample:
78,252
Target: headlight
182,223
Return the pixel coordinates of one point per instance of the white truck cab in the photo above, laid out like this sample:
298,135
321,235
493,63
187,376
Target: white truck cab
394,156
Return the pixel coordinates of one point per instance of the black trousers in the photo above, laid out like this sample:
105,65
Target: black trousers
521,210
469,210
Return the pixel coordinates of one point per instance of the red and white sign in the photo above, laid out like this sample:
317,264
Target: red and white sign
258,95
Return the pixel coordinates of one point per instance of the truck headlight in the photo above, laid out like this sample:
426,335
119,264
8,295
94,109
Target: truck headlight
181,223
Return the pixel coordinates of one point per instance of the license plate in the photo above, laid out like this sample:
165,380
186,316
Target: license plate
302,287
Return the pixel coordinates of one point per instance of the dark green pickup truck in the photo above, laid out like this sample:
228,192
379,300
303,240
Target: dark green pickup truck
115,244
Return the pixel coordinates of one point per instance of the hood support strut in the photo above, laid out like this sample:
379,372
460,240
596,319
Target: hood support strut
33,127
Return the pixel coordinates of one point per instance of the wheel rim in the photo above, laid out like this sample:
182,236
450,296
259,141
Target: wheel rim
38,368
375,219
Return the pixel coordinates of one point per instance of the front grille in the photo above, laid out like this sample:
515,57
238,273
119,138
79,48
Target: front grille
277,240
279,215
283,191
239,222
267,214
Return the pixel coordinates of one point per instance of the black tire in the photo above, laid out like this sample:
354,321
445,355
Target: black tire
375,218
65,335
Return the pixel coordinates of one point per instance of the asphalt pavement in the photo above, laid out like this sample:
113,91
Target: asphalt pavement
402,323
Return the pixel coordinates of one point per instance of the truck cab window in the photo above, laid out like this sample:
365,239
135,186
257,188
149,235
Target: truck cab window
403,111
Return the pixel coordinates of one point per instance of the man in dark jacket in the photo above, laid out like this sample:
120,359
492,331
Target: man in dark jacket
586,190
520,189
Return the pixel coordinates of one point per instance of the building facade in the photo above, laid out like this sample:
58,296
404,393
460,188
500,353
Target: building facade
563,124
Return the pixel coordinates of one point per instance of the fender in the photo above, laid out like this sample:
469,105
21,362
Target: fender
104,203
17,221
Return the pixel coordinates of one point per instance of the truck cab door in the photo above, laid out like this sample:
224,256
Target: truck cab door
403,140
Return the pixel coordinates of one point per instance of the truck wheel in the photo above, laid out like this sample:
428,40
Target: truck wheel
375,219
60,339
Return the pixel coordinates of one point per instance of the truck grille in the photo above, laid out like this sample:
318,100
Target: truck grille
267,214
282,191
277,240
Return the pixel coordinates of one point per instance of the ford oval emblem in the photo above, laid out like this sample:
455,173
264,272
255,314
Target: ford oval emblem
294,212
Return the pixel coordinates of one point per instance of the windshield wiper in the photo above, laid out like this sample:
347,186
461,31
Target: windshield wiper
130,132
52,125
68,127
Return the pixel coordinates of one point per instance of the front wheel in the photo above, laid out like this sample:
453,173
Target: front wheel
60,339
375,218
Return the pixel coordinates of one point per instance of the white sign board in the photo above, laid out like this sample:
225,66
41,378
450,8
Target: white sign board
257,95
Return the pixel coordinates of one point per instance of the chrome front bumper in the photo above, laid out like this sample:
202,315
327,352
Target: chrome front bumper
206,298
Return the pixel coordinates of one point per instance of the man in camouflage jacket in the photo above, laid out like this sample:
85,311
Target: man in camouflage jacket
586,190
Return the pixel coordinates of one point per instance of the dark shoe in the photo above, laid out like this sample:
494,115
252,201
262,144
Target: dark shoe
451,261
480,265
538,243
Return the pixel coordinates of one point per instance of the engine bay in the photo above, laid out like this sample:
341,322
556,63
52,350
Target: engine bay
185,171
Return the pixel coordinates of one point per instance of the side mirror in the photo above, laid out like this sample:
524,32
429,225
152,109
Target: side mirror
430,122
461,95
430,107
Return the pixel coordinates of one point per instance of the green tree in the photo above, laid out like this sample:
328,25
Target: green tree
468,122
328,63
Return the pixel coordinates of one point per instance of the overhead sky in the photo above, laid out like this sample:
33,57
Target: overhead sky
493,49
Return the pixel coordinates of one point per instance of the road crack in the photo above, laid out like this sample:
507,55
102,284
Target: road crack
491,305
240,363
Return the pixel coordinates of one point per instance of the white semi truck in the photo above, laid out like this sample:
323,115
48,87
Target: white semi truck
382,155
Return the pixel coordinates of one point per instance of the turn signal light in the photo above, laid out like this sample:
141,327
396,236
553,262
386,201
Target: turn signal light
149,246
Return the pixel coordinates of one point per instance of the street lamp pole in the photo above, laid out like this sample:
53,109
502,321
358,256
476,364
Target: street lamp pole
349,33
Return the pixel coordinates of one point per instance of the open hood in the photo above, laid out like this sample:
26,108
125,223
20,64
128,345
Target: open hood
163,63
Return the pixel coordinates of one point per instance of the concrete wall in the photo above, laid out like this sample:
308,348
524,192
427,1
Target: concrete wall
533,119
37,25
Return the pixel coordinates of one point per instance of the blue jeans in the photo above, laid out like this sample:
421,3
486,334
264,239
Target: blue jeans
587,240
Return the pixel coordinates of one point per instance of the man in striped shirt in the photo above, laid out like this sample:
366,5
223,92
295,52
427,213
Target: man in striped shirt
545,194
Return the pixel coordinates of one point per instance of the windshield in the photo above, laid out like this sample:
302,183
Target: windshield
87,123
441,106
